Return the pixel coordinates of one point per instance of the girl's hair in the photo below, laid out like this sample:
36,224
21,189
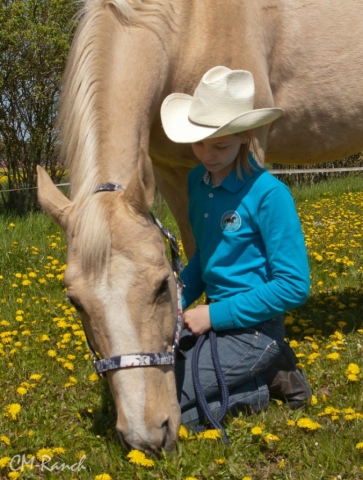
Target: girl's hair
243,161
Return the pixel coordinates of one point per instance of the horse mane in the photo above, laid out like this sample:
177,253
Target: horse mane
81,112
81,115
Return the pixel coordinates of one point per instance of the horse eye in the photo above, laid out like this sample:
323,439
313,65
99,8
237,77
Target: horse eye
162,288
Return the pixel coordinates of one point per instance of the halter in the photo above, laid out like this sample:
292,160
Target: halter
145,359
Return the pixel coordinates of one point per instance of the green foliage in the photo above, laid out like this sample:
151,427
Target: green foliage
35,37
70,413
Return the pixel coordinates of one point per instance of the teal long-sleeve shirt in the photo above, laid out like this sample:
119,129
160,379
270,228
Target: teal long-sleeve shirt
250,252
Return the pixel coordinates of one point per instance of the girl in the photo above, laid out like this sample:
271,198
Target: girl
250,257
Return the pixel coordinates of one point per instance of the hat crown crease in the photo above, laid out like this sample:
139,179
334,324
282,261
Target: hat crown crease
220,97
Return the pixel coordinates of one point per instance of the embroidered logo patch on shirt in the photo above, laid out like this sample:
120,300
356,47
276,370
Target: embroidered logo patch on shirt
231,221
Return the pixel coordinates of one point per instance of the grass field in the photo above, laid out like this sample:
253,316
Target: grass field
53,407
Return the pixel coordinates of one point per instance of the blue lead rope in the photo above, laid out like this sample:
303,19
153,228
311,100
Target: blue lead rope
199,392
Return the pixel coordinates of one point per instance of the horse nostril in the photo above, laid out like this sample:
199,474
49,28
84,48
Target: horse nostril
165,428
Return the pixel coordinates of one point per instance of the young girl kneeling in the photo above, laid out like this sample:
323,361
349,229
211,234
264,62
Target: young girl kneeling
250,257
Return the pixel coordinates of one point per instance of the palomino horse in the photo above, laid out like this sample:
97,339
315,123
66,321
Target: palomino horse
127,55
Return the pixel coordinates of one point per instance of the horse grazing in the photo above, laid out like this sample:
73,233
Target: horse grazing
127,55
120,281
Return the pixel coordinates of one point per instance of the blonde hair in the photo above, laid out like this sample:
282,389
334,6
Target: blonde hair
243,162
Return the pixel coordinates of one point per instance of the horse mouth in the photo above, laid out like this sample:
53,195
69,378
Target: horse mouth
166,445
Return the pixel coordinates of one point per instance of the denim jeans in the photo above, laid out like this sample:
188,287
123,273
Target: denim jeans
243,354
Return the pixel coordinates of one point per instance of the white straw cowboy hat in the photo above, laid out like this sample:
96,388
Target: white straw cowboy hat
222,104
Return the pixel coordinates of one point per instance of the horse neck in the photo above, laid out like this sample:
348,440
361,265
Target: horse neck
112,89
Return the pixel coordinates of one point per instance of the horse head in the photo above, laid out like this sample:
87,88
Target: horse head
119,279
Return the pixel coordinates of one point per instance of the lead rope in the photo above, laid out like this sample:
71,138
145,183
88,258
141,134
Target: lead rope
199,392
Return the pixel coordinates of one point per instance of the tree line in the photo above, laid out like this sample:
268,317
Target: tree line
35,36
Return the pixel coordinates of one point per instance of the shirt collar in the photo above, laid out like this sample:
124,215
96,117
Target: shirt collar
232,183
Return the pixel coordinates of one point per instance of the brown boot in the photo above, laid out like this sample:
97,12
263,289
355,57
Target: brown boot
286,381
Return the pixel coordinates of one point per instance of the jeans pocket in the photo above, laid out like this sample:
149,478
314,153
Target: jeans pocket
267,358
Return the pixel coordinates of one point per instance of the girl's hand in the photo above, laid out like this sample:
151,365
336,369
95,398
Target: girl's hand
197,320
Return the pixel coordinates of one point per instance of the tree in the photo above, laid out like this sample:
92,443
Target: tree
35,37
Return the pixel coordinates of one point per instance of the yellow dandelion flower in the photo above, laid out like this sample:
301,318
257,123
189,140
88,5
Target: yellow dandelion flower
5,439
281,464
333,356
210,434
36,376
271,438
68,365
21,391
81,454
338,335
256,431
291,423
93,377
12,410
289,320
13,475
103,476
147,462
308,424
52,353
314,400
44,452
359,446
4,462
183,432
246,478
352,369
136,457
352,378
220,461
58,450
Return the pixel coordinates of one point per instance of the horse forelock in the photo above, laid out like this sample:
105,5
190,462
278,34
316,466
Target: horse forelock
90,230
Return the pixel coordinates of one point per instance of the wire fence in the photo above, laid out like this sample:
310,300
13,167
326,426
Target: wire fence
273,171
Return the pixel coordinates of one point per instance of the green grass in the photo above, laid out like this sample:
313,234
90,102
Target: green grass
69,413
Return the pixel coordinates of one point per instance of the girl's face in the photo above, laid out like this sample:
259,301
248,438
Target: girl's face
219,155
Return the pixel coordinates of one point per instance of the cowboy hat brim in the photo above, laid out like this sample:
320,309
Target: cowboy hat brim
178,127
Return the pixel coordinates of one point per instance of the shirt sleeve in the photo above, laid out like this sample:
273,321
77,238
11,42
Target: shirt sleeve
286,254
191,276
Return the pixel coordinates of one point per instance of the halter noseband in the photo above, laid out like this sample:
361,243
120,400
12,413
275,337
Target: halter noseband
145,359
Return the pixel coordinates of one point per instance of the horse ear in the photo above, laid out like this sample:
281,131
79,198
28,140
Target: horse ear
52,200
139,194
